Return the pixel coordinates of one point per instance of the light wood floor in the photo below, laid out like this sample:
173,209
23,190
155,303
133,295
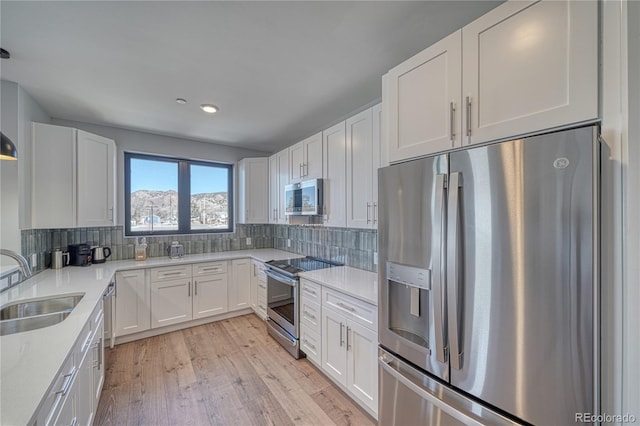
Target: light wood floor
224,373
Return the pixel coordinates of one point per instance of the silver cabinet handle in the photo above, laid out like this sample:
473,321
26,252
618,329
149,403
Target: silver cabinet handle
311,292
454,248
452,118
170,274
375,212
348,345
309,344
438,271
347,307
309,316
368,207
196,288
189,288
68,379
262,286
305,168
301,170
74,422
341,339
469,117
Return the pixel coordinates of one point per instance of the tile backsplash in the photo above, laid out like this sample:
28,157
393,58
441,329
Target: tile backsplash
353,247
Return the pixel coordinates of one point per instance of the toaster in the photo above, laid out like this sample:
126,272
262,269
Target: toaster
175,250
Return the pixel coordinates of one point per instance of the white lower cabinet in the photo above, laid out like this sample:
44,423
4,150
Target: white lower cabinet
132,302
258,289
171,302
338,333
240,285
74,395
210,296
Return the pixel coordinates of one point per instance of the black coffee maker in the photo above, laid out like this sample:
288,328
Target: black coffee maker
79,254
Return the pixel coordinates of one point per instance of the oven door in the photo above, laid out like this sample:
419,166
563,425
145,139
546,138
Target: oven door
282,302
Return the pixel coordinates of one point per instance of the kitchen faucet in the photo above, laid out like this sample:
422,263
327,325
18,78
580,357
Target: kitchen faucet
22,262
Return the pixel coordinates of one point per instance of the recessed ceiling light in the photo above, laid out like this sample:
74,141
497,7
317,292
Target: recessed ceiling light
181,101
209,108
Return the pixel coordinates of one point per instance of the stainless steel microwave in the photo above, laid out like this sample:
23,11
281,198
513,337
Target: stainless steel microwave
303,198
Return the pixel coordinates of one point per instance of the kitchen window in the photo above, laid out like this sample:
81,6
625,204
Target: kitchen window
165,196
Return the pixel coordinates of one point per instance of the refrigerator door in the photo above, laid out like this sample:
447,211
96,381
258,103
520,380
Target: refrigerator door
409,397
521,286
411,262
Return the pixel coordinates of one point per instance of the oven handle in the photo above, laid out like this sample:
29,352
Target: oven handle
281,278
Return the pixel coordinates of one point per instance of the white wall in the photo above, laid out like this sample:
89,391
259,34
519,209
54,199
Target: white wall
149,143
19,109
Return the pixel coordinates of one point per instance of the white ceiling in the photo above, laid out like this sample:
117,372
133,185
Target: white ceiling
280,71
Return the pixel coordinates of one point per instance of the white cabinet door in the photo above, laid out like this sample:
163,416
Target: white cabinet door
334,357
96,180
84,383
283,180
423,101
171,302
240,285
253,190
97,353
297,159
362,364
530,66
376,113
359,170
312,166
278,179
132,302
54,176
305,159
273,189
210,295
335,177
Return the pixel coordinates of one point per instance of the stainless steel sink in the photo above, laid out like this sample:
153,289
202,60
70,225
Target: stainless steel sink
29,308
34,314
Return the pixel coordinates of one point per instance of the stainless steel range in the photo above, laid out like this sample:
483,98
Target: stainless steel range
283,295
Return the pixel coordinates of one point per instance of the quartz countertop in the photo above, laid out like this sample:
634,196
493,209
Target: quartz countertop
31,360
355,282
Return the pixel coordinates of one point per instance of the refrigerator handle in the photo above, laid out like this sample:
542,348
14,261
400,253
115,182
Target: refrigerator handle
439,300
454,244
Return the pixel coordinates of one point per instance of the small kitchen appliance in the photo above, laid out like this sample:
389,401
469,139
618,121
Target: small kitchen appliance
79,254
100,254
59,259
176,250
283,296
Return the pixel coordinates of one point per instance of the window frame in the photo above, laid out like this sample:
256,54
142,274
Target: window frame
184,195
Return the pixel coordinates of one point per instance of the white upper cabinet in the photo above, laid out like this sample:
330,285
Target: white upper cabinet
529,66
96,180
306,159
73,178
524,67
335,175
253,190
422,102
363,159
278,179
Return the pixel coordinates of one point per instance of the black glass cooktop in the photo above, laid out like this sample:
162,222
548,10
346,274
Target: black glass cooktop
295,266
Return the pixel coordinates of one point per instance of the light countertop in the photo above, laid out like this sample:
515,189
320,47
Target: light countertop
358,283
30,361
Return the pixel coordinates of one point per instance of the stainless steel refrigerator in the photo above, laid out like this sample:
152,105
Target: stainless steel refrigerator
488,284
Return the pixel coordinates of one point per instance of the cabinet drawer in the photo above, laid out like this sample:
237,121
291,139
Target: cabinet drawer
167,273
310,344
53,401
210,268
357,310
310,291
310,315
